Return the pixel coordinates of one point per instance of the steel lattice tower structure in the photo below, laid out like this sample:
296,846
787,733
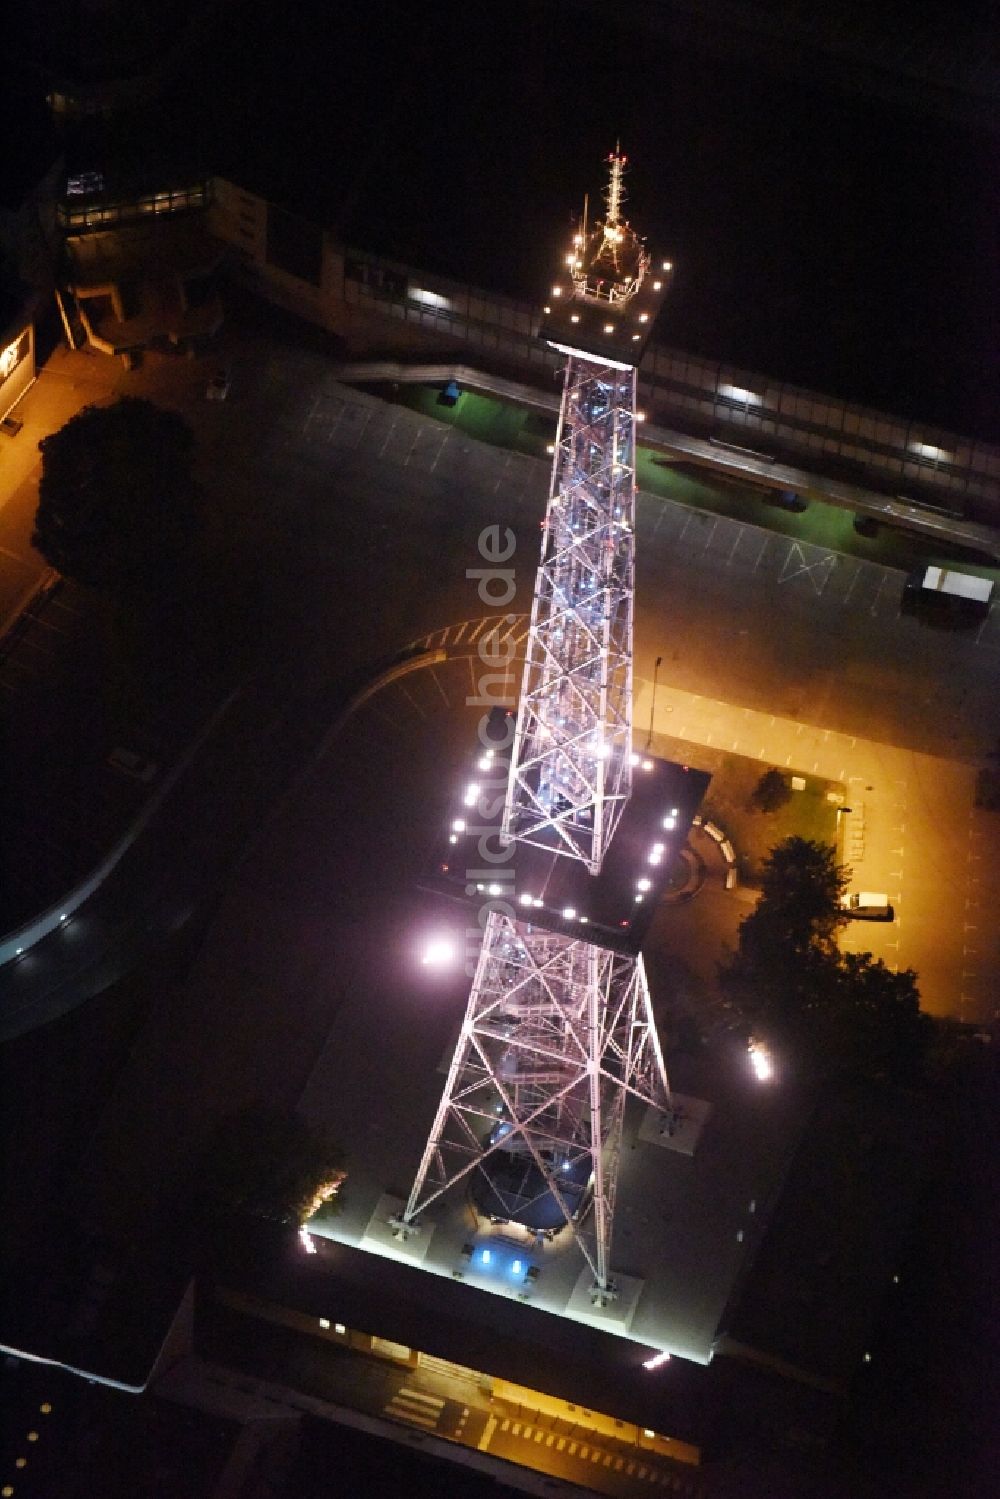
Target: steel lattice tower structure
558,1031
571,774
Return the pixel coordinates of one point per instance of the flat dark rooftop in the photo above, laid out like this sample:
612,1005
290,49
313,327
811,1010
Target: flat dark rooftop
614,908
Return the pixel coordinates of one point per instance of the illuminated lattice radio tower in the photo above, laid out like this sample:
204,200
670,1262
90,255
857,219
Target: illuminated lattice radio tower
558,1031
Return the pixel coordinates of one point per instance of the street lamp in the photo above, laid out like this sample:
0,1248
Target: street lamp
652,706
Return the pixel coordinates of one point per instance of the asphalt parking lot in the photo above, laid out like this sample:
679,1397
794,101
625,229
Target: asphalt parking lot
361,509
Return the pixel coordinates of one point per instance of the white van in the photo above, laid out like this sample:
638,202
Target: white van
868,905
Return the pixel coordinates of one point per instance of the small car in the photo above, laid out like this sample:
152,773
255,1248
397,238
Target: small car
786,499
217,388
867,905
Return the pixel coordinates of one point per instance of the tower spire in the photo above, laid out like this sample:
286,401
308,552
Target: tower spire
614,195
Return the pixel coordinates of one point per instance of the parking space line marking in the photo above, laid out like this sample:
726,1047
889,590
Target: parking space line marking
850,588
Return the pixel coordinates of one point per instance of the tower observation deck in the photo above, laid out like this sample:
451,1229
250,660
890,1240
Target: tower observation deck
558,1032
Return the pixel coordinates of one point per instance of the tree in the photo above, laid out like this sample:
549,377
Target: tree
799,910
789,984
771,792
117,499
879,1028
271,1164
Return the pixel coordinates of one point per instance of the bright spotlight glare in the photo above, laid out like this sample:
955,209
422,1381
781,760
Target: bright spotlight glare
760,1061
656,1361
471,792
459,825
569,913
306,1240
438,952
643,884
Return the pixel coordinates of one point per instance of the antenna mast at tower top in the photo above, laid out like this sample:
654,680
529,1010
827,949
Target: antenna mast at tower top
614,193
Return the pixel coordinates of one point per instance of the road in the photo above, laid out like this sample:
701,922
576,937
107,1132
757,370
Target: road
435,1398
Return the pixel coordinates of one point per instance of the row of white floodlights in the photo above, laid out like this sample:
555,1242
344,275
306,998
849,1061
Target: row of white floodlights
643,764
568,913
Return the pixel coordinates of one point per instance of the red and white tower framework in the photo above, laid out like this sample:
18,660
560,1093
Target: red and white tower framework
558,1031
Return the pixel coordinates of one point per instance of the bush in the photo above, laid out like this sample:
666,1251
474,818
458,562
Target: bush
771,792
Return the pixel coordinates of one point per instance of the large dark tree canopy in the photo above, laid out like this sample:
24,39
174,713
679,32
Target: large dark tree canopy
799,911
117,499
791,985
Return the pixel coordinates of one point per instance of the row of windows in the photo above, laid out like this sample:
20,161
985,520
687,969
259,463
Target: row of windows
101,215
791,414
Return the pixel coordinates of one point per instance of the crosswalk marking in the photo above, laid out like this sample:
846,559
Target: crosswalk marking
405,1393
416,1418
416,1407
